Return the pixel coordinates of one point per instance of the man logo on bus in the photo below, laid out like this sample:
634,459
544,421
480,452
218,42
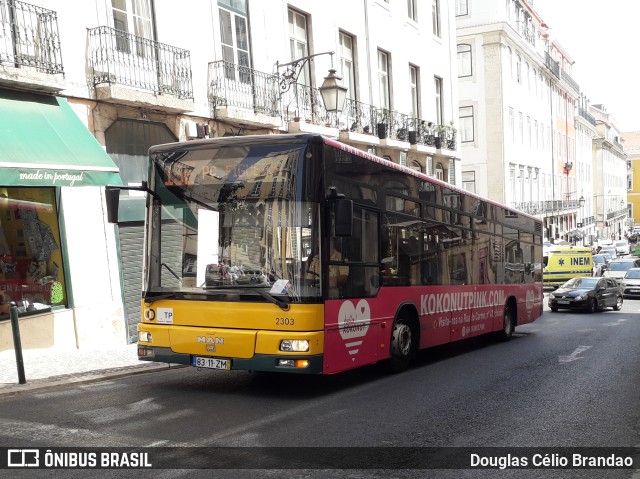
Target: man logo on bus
354,323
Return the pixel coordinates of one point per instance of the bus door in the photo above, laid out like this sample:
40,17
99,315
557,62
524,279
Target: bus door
352,313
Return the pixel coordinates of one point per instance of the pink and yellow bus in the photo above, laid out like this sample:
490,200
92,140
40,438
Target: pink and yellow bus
297,253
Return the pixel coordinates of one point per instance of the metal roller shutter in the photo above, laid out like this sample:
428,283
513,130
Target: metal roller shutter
131,254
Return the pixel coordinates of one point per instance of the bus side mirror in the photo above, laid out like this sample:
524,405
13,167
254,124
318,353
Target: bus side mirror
343,217
112,194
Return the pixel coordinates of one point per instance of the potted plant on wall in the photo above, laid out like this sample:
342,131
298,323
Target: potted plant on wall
441,135
451,136
383,123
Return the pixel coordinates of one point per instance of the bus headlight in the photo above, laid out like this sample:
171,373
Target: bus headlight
144,336
294,345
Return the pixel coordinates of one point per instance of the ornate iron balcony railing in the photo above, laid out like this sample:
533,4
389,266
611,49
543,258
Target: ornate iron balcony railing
119,57
567,78
29,37
302,102
358,117
551,64
243,87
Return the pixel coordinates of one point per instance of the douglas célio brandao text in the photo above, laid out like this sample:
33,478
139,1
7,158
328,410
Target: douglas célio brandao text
551,461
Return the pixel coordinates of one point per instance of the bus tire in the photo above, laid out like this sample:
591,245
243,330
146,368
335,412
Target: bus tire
508,324
403,345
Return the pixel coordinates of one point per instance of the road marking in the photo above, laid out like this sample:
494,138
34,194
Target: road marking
35,432
616,323
574,355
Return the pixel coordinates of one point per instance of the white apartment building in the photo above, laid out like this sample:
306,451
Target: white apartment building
526,130
141,72
610,185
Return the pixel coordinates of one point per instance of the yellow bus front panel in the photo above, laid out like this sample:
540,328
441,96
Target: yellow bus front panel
245,336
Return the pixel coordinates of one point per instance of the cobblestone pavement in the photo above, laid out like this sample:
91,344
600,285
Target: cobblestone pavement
53,367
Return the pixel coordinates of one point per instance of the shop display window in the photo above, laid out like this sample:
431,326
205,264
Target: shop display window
31,265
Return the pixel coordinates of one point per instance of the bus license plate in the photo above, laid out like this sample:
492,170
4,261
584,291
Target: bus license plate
211,363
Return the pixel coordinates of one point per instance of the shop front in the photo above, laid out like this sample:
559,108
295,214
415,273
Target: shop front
58,258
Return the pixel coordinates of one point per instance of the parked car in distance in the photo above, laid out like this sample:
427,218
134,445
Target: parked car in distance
599,264
588,294
630,283
610,250
617,268
622,248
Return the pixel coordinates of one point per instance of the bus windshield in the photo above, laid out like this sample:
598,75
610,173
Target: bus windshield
232,219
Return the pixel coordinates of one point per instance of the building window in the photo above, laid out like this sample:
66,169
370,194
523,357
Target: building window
384,86
512,128
235,39
412,10
510,62
31,262
466,124
520,127
132,16
347,68
462,7
439,100
415,165
529,130
464,60
518,69
414,78
435,16
469,181
439,172
298,43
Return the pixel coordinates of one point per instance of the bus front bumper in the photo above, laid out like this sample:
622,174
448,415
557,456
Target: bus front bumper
259,362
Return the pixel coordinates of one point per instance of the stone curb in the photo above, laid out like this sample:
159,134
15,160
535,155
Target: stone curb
82,378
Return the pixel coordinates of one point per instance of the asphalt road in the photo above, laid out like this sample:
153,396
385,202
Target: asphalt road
568,380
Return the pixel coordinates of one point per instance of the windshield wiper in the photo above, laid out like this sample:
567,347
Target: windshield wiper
284,305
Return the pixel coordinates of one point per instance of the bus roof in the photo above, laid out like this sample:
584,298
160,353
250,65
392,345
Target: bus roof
303,138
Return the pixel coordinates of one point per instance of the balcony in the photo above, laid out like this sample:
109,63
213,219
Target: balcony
243,95
30,54
587,116
135,70
547,207
552,65
570,81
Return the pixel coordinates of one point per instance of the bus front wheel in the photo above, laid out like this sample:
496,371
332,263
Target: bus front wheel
402,345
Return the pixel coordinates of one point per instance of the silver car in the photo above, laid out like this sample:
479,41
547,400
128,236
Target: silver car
617,268
630,283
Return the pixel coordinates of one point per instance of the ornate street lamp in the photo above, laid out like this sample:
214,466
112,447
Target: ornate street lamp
332,91
581,201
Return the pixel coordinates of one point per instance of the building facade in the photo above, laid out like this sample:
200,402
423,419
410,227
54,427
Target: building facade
527,131
631,143
143,72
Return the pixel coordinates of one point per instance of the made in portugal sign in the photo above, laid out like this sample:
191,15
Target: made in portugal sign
56,177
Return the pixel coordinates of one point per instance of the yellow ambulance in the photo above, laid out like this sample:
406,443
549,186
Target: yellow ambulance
562,263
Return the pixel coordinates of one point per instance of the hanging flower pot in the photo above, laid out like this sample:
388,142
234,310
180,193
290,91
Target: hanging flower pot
382,130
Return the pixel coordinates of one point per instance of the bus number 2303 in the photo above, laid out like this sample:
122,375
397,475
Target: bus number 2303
285,321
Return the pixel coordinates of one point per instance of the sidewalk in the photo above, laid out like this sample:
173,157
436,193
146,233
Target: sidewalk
51,367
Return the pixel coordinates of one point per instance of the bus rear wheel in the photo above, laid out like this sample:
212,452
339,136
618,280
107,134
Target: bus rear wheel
507,326
402,346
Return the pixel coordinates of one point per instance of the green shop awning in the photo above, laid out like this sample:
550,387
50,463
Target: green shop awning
44,143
